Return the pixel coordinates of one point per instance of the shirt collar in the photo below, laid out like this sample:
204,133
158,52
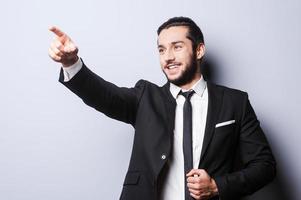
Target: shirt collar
199,88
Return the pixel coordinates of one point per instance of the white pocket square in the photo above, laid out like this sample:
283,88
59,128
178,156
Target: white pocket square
224,123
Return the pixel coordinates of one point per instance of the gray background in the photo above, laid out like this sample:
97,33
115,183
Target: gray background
52,146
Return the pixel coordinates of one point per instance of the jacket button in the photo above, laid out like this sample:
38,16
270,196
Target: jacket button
163,156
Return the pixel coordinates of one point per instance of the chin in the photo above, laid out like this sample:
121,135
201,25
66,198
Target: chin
173,78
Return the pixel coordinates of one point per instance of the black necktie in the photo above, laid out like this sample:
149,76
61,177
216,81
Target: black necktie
187,138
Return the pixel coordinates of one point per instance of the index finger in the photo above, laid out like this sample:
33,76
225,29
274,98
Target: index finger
57,31
193,172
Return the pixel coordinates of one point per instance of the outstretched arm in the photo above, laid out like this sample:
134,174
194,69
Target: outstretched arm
116,102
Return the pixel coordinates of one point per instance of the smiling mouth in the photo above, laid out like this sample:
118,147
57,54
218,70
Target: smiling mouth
172,66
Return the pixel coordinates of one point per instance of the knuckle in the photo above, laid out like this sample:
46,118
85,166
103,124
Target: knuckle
56,51
57,58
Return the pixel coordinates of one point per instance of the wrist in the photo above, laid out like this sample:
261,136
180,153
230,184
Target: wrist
213,187
70,62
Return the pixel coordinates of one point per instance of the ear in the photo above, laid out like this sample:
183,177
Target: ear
200,51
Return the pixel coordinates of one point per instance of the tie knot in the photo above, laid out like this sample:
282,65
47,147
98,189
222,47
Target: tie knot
187,94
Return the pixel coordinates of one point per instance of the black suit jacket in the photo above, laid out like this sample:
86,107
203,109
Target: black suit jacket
150,109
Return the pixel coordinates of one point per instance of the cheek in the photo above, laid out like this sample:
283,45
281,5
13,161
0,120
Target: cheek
184,57
162,62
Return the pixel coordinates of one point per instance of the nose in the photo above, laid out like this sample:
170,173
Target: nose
169,56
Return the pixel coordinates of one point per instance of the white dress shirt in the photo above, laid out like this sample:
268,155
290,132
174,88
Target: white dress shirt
173,188
70,71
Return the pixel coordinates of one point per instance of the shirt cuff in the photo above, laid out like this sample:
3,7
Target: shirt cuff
71,71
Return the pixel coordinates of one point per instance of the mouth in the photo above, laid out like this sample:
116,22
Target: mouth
172,65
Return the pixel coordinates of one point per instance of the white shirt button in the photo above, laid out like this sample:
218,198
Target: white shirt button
163,156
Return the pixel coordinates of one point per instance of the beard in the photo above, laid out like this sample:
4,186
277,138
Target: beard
187,75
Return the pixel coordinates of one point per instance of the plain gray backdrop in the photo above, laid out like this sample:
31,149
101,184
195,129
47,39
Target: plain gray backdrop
52,146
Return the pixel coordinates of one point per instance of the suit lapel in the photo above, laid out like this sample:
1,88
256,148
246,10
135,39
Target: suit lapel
170,105
169,119
214,103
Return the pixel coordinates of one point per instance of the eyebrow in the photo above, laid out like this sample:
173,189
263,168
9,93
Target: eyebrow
173,43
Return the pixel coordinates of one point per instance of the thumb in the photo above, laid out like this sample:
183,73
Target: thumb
71,46
196,172
192,172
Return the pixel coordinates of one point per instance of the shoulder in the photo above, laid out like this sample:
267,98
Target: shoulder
147,84
227,92
154,91
147,87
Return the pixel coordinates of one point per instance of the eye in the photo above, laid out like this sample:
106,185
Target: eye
178,47
161,51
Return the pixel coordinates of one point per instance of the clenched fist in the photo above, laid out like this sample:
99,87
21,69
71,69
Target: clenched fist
201,186
63,49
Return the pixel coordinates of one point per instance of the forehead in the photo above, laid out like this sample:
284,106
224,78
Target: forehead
173,34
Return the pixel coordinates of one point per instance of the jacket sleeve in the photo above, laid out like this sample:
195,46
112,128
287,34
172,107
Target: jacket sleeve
258,163
116,102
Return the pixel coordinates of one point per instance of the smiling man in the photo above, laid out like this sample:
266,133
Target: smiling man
189,133
178,57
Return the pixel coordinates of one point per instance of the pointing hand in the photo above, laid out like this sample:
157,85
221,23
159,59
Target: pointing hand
62,49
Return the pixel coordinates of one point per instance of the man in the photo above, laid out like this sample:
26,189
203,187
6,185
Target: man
188,133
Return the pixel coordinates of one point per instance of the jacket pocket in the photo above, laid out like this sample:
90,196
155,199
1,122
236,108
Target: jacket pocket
132,178
225,132
225,123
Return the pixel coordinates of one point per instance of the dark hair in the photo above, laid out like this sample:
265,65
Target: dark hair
194,32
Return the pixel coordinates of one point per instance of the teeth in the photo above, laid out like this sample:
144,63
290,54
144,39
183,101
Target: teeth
172,66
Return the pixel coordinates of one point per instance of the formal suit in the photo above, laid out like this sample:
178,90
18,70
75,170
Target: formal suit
150,109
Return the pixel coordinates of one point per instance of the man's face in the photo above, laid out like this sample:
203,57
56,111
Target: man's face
177,58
